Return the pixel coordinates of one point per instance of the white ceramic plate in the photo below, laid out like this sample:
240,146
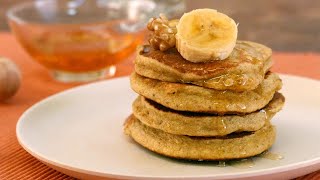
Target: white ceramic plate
79,132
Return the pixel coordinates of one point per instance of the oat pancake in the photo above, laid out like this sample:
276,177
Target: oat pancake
187,97
243,70
194,124
233,146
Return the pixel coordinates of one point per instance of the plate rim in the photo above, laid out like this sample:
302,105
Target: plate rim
254,173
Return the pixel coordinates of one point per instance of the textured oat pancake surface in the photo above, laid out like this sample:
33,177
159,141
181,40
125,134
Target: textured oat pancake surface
233,146
194,124
243,70
187,97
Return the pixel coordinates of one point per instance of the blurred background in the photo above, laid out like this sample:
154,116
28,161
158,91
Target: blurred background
284,25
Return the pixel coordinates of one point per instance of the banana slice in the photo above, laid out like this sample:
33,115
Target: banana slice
205,35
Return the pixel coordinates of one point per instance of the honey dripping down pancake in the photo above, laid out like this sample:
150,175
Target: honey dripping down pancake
171,121
235,146
243,70
187,97
203,94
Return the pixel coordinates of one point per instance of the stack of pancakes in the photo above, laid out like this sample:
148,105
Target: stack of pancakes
205,111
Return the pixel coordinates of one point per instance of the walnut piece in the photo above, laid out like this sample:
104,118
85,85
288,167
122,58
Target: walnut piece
163,32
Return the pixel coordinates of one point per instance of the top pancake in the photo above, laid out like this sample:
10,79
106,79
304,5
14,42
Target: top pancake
243,70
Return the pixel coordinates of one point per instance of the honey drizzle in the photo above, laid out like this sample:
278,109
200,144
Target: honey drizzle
222,164
270,155
265,113
249,162
243,163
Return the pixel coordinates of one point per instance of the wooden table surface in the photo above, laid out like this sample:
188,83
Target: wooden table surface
16,163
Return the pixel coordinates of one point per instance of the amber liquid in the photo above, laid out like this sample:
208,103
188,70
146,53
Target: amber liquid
77,48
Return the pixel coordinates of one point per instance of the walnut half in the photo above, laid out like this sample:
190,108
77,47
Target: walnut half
163,32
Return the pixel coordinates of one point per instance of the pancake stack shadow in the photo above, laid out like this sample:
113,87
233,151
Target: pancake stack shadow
216,110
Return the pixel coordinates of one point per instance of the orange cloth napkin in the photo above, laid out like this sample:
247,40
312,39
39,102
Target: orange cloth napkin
15,163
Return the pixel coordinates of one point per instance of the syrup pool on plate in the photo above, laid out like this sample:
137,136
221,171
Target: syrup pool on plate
246,163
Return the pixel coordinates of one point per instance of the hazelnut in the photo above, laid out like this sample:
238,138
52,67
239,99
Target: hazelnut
9,78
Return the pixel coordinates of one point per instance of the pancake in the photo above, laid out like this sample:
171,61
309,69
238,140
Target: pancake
187,97
243,70
233,146
157,116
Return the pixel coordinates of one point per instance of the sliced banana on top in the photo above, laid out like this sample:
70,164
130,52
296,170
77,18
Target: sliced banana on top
205,35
